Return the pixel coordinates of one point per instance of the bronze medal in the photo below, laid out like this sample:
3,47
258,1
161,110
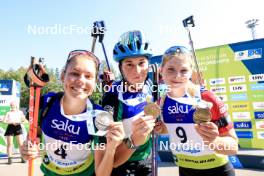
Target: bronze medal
202,113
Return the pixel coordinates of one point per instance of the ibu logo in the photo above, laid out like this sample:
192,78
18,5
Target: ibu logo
65,126
242,125
259,115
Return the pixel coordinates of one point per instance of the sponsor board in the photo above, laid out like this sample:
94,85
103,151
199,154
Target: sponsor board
9,91
242,125
240,106
235,161
238,97
3,89
260,125
244,134
259,86
217,81
241,115
258,96
244,85
258,105
238,88
222,97
256,77
4,100
6,87
260,134
236,79
221,89
259,115
255,53
241,55
4,110
248,54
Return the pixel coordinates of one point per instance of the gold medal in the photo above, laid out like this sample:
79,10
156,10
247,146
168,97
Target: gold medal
152,109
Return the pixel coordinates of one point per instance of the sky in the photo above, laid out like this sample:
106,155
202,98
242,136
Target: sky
52,28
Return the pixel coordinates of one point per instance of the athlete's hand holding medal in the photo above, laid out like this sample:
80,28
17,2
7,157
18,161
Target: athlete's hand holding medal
202,117
105,126
142,126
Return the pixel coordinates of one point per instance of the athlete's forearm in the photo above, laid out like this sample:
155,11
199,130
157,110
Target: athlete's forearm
123,153
227,145
105,167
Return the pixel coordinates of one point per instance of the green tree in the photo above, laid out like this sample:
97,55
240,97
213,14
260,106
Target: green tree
18,75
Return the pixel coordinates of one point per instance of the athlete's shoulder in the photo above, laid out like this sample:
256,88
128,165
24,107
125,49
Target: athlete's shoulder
219,109
211,97
96,106
46,98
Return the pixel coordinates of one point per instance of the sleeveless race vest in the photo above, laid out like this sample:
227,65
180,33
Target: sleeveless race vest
185,142
68,145
131,106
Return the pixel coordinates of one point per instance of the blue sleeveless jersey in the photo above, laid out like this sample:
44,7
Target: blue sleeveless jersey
68,144
185,142
127,107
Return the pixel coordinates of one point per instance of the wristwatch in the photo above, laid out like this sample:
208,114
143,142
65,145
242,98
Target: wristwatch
129,143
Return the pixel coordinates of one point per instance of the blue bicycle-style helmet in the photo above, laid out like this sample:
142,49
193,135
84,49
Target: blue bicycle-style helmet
131,44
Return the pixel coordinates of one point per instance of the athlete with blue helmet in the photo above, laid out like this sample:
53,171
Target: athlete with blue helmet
127,99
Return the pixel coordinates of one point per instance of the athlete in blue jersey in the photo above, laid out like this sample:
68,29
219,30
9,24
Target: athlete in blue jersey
66,136
126,100
201,145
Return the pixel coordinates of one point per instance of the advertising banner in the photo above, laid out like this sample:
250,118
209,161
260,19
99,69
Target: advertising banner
235,73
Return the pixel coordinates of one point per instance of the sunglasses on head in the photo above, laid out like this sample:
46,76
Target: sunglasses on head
74,53
176,50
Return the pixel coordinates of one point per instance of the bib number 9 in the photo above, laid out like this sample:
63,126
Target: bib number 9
181,134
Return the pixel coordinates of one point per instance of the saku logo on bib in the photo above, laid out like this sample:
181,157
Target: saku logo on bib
65,126
179,108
